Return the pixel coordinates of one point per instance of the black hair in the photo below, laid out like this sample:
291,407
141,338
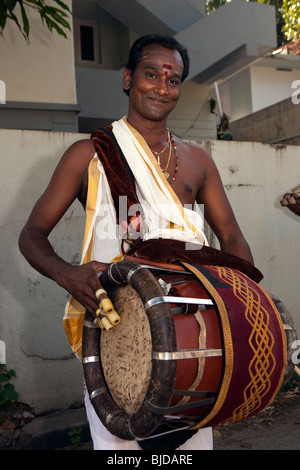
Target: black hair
164,41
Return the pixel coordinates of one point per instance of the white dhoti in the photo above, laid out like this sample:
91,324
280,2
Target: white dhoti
104,440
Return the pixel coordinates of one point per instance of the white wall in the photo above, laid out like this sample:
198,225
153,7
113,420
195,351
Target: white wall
44,71
255,177
256,88
270,86
31,307
192,118
236,95
107,101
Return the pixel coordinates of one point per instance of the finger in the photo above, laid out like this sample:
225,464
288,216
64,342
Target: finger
88,299
100,267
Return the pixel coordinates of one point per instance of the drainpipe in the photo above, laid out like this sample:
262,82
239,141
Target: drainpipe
218,99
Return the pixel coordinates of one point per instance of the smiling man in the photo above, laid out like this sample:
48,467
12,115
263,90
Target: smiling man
140,159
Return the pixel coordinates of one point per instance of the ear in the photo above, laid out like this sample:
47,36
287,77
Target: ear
127,75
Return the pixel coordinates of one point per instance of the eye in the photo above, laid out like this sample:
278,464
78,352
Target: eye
151,75
174,81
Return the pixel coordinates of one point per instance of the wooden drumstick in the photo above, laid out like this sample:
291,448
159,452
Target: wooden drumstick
105,302
106,323
113,317
100,324
107,307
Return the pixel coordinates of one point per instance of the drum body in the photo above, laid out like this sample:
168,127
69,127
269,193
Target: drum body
194,348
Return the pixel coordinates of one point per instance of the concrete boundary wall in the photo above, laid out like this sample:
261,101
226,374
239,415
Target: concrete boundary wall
276,124
31,307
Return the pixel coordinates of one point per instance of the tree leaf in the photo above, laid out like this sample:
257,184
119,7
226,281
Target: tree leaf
54,17
51,24
10,4
25,19
3,15
9,393
63,5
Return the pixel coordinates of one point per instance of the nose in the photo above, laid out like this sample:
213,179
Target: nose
161,87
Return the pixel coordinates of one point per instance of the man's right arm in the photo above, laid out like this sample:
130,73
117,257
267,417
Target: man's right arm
64,187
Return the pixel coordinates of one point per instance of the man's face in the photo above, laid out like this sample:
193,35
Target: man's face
155,84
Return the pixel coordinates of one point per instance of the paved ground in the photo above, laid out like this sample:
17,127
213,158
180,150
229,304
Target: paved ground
277,428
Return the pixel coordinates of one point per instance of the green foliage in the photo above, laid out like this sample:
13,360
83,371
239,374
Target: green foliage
293,383
212,5
75,437
291,17
8,395
52,16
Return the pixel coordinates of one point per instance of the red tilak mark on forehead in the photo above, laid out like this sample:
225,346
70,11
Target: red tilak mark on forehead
166,66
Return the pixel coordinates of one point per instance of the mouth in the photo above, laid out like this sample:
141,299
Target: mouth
158,101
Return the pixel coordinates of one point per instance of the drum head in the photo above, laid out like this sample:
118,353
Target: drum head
126,352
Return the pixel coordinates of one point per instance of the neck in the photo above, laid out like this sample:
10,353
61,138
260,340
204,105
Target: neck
154,132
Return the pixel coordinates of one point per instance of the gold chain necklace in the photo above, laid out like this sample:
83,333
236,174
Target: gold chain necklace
166,174
172,144
162,151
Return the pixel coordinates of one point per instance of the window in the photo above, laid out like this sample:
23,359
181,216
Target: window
86,42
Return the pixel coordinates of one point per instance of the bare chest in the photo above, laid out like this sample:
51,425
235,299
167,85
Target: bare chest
189,179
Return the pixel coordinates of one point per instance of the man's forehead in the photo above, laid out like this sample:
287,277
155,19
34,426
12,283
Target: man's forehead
163,57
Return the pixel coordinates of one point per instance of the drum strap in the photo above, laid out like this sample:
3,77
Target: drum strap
119,175
174,252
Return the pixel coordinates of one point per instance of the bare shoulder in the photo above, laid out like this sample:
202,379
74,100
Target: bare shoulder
74,164
83,145
70,177
196,152
196,157
79,154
